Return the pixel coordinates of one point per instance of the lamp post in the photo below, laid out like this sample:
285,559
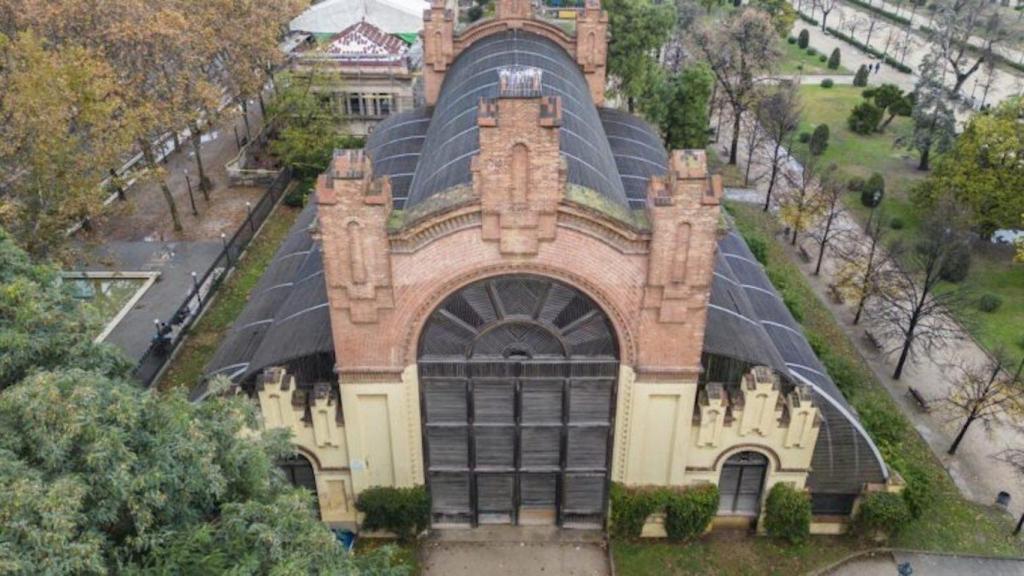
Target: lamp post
191,198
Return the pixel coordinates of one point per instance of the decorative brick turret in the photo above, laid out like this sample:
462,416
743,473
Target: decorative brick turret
519,174
592,47
438,47
353,211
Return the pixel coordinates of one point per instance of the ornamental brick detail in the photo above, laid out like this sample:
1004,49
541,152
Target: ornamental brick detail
353,211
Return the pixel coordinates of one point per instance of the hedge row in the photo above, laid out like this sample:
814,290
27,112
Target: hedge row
882,12
877,54
688,511
405,512
808,19
970,47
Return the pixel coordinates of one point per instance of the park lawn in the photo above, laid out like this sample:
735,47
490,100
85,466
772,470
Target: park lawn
992,271
796,61
949,524
207,334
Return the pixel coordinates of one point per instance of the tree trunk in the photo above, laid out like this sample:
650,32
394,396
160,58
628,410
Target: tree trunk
960,435
792,241
197,147
245,116
886,123
734,147
147,152
263,105
821,257
771,184
903,357
924,159
860,308
824,17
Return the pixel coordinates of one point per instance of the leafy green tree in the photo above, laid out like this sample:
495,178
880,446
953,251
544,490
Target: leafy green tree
833,60
638,30
682,111
109,478
308,129
781,12
819,140
42,326
982,171
864,118
892,101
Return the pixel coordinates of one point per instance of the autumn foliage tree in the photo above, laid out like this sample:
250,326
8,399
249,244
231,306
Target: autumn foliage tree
984,393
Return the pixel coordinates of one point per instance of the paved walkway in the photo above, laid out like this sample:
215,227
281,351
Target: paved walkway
1004,84
978,473
515,551
929,565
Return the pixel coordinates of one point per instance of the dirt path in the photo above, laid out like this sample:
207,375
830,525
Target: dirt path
976,469
515,551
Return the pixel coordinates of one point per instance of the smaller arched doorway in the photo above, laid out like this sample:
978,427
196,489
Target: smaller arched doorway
298,471
741,484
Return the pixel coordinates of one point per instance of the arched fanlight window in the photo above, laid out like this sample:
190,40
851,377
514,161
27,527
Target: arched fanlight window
299,472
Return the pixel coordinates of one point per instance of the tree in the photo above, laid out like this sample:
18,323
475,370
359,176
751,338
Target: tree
683,112
864,118
781,13
826,7
63,127
912,312
778,113
308,130
833,60
830,200
755,137
804,39
873,191
800,205
739,52
933,117
819,140
862,274
103,482
982,171
890,99
984,393
638,30
950,37
860,78
42,325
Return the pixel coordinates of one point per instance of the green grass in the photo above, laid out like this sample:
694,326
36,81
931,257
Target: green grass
949,524
992,271
405,554
209,332
797,61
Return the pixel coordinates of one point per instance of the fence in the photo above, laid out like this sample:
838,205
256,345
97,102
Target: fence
168,334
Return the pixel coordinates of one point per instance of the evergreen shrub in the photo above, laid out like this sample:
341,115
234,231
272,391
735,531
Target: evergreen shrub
788,513
404,512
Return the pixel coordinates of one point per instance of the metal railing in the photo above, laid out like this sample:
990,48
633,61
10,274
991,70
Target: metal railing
169,333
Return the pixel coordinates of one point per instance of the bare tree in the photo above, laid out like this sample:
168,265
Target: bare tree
984,393
800,206
912,312
956,23
872,17
779,114
826,6
739,52
863,267
755,138
831,207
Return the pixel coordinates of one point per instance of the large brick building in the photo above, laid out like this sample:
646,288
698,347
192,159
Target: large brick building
516,296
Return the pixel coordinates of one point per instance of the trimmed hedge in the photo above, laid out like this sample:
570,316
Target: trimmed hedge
808,19
881,12
883,512
688,511
787,513
833,60
827,83
405,512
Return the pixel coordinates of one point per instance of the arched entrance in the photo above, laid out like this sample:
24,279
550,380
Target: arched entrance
298,471
517,378
741,484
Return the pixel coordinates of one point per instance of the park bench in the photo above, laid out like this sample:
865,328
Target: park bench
916,395
873,340
835,294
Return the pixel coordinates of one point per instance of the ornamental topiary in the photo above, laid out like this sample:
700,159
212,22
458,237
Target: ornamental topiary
827,83
791,40
883,513
804,39
804,137
819,140
689,511
404,512
787,513
861,77
630,508
833,60
873,191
